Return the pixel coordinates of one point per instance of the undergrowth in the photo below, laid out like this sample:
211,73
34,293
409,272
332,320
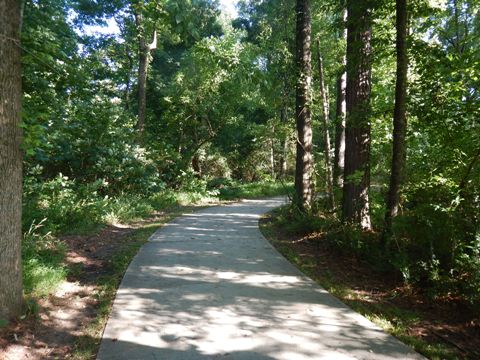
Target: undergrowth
457,276
283,226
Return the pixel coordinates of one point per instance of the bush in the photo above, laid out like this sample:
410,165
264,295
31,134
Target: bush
63,202
435,239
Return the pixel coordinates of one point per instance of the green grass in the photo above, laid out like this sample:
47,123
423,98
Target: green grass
392,319
43,268
42,278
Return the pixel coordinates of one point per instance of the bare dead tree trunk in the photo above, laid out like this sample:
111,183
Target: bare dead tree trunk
304,157
399,118
326,134
340,115
356,186
10,161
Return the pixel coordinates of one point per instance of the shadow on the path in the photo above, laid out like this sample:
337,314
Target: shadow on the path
208,286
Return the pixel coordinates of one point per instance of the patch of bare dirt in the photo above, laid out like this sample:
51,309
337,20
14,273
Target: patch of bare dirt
446,319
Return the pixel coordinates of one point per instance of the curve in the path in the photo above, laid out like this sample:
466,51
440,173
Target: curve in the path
209,286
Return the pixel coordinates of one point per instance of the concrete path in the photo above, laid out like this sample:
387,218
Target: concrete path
209,286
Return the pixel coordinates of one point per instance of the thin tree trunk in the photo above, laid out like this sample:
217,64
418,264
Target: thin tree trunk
143,60
127,79
357,135
326,134
399,118
340,115
286,93
10,161
283,144
304,157
457,27
142,74
272,160
272,154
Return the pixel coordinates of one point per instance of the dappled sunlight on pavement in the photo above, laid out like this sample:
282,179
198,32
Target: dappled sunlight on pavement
209,286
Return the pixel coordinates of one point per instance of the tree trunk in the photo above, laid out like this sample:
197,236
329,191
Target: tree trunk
142,75
326,135
286,91
340,116
127,79
357,133
399,118
143,60
283,144
272,159
304,157
10,161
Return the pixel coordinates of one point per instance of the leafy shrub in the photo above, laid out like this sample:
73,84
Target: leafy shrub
63,202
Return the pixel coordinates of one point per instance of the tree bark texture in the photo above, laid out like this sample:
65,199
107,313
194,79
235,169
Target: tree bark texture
326,135
10,161
399,117
304,156
340,115
357,133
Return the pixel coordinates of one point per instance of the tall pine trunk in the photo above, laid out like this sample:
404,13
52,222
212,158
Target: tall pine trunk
304,157
10,161
356,186
399,118
326,135
340,114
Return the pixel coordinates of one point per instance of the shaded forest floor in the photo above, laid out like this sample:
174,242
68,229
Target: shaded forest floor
69,323
440,328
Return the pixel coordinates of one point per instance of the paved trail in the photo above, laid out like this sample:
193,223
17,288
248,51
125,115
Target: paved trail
209,286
